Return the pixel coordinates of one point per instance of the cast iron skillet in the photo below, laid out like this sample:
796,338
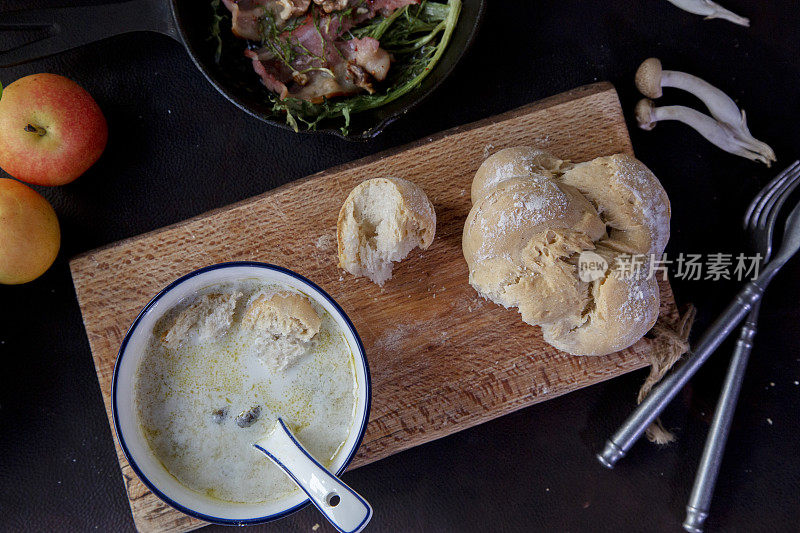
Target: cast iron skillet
187,21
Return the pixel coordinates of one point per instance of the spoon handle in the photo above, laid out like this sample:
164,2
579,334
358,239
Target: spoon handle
341,505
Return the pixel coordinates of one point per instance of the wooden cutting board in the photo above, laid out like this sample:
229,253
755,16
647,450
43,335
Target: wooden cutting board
442,359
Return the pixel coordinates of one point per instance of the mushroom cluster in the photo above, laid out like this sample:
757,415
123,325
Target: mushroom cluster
727,125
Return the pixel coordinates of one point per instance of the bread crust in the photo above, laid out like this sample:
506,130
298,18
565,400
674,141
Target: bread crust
518,161
283,313
524,235
635,205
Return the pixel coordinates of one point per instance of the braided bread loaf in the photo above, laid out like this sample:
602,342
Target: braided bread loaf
532,217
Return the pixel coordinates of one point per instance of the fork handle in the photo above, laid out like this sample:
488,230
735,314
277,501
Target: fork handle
71,27
710,462
658,399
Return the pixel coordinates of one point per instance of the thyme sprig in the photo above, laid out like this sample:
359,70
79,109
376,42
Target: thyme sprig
216,33
271,38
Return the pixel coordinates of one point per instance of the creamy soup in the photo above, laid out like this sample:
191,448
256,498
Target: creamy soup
205,391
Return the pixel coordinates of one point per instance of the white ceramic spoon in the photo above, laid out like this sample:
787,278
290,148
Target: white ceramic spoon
341,505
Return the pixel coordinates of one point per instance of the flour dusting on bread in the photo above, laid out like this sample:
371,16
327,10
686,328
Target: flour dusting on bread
525,234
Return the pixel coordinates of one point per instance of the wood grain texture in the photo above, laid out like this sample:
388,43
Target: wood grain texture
442,359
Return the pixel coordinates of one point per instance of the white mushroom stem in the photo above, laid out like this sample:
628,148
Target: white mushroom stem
711,10
651,78
718,133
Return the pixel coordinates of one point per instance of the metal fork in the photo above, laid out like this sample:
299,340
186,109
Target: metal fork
630,431
759,222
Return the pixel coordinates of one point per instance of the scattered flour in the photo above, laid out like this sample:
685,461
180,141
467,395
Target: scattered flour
324,242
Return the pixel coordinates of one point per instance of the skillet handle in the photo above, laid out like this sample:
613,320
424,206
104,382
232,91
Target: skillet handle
71,27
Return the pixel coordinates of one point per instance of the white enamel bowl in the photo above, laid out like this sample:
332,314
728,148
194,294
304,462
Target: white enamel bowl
129,432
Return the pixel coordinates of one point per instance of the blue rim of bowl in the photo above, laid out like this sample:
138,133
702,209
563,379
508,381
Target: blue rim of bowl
149,484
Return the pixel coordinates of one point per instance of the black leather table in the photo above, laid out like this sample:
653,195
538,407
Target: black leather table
178,149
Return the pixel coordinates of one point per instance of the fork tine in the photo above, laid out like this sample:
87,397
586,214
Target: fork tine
771,214
765,224
765,194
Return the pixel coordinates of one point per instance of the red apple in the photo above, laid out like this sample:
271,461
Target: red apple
51,130
29,233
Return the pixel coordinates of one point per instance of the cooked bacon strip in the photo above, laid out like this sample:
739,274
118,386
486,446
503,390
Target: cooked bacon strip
367,53
272,74
246,16
387,7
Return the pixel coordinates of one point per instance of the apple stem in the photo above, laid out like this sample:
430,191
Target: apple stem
36,129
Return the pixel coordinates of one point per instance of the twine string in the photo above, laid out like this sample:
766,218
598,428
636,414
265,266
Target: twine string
671,342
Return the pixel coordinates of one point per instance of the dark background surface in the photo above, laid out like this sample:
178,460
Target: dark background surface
178,149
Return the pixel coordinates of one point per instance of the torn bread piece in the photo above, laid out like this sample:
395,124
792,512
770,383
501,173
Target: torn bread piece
281,326
208,318
381,221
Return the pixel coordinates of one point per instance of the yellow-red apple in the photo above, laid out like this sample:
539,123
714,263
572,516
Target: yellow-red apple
51,130
29,233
